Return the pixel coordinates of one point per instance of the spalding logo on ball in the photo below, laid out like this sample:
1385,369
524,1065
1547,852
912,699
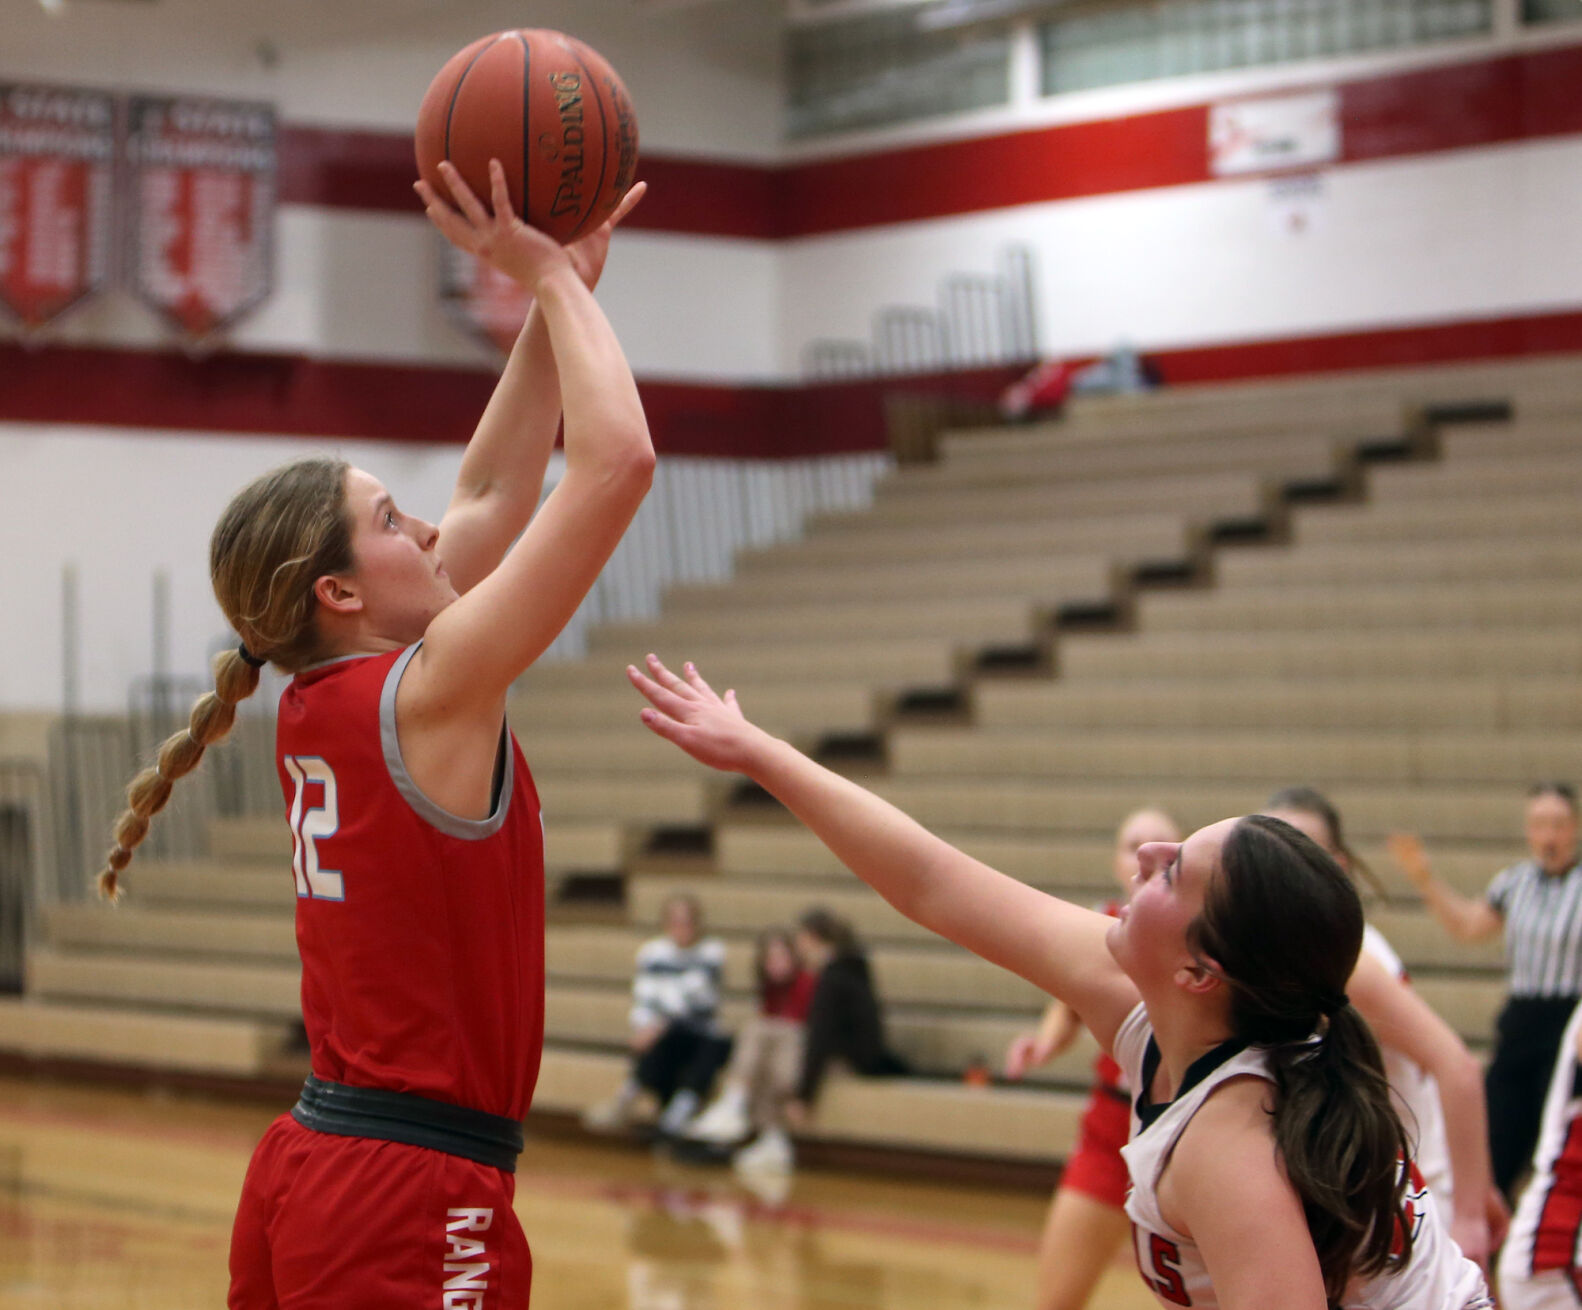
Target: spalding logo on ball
551,110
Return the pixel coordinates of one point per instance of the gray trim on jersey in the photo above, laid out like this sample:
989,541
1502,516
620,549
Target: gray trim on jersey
452,825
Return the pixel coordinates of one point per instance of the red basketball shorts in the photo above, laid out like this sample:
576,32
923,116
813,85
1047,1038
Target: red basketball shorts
358,1224
1095,1167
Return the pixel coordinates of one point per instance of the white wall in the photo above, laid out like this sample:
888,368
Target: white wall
704,78
360,285
120,506
1465,234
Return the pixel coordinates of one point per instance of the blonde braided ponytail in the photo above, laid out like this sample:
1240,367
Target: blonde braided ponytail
279,533
212,716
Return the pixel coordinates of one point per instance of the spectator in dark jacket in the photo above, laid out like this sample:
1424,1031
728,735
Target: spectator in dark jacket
844,1022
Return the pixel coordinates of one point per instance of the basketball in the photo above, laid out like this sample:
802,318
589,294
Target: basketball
551,110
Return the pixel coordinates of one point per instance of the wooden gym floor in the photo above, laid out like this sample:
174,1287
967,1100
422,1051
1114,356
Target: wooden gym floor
117,1199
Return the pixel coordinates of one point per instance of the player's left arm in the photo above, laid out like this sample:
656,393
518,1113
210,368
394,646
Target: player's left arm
502,472
1403,1021
1225,1187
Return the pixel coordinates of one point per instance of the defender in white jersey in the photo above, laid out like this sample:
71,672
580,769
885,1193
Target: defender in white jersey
1285,1185
1436,1277
1541,1265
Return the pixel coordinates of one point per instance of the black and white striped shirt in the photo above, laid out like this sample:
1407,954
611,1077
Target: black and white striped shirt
1543,928
678,982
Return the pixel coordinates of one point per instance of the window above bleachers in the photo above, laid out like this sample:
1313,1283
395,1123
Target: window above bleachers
1094,45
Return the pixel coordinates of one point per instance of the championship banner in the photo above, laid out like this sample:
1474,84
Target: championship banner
57,178
484,301
1274,132
201,193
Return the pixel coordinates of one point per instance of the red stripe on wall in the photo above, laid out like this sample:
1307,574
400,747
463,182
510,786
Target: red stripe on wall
292,395
1455,106
375,170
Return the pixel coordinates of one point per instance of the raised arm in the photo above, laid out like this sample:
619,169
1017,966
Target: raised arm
1466,918
1056,946
1402,1020
502,472
478,645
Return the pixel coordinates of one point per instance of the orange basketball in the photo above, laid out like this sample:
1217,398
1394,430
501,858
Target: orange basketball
551,110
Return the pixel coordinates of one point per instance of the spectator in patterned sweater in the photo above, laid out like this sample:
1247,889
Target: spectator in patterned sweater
677,1044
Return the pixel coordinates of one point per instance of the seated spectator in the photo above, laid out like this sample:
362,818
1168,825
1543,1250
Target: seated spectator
766,1062
676,1042
843,1024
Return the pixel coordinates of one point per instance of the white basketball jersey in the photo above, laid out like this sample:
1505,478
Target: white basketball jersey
1546,1232
1438,1276
1419,1106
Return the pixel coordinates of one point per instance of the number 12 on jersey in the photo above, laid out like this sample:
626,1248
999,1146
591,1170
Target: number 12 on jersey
309,824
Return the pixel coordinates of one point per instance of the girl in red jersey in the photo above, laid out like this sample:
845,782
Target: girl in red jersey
418,845
1268,1164
1087,1220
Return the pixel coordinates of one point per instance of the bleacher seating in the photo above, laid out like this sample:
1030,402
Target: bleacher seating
1210,593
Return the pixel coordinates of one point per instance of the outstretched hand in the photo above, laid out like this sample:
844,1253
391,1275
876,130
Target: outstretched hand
687,711
1407,852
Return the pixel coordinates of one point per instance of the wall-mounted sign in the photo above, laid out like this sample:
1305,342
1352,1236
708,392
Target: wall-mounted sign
1274,132
57,166
201,182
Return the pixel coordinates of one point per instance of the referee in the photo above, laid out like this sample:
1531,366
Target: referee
1538,903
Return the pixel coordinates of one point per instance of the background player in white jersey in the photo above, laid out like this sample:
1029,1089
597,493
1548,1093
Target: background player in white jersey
1541,1263
1282,1179
1439,1081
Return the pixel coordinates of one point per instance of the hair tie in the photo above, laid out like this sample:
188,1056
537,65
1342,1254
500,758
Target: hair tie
249,658
1331,1005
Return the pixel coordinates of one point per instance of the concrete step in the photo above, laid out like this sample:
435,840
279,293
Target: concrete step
1047,579
1503,604
967,619
107,1033
1279,453
1121,536
1200,654
1446,520
1321,757
794,708
1452,559
1480,704
245,990
1031,806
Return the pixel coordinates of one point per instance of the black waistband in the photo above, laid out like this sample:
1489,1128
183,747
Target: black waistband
347,1111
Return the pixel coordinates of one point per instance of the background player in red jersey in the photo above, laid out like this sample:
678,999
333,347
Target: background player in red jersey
418,847
1087,1220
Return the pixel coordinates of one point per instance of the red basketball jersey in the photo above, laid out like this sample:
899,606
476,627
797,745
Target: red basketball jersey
421,933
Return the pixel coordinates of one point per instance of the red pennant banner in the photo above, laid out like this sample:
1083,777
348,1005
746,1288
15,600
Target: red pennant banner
201,178
57,179
484,301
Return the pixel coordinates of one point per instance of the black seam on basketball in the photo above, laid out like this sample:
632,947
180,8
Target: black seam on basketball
527,101
604,139
450,109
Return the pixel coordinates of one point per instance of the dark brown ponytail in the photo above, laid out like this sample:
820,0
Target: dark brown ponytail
1282,925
